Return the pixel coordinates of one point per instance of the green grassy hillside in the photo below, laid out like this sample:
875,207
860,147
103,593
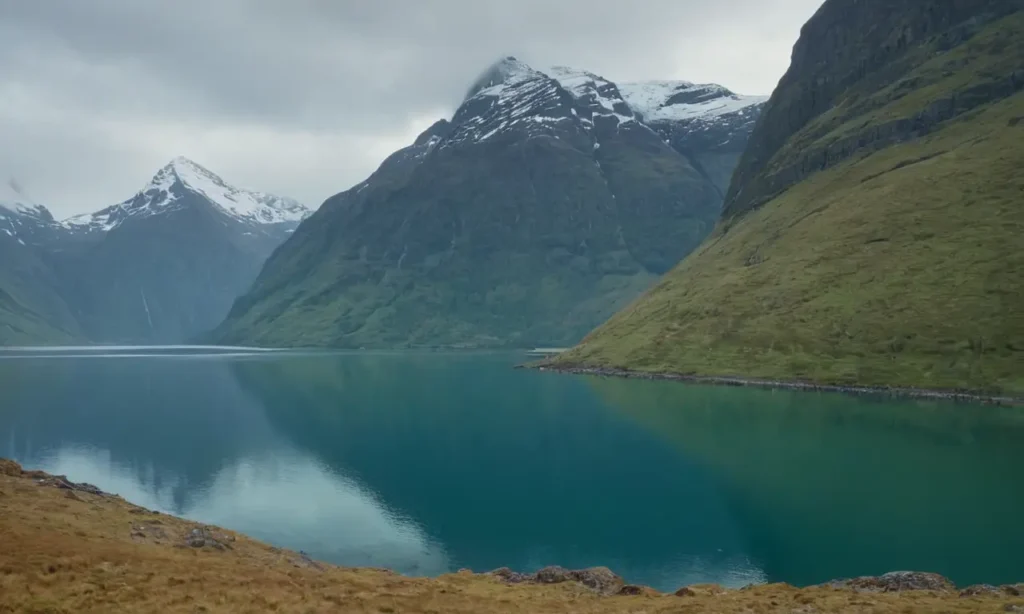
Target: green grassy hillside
901,264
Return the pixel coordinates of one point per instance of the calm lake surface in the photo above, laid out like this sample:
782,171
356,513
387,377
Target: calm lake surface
431,462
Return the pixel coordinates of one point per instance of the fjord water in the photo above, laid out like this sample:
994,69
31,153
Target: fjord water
430,462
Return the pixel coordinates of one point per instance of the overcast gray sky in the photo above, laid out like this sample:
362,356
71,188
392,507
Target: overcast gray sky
304,98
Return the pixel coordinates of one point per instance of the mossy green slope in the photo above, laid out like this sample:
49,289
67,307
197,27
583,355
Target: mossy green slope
901,263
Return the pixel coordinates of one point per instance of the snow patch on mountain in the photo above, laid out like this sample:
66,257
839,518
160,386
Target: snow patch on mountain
511,94
592,89
102,221
177,180
667,101
257,207
503,76
22,220
21,208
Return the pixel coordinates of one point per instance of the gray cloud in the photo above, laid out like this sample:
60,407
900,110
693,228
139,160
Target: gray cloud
305,98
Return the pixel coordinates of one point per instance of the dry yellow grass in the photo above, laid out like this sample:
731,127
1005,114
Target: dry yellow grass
71,551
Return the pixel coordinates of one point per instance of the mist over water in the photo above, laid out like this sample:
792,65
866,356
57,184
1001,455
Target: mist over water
431,462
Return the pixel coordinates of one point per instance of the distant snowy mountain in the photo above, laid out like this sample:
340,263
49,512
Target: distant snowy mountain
161,267
174,183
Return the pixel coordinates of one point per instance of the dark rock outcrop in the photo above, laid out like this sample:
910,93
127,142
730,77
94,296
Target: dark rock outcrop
896,582
205,537
599,579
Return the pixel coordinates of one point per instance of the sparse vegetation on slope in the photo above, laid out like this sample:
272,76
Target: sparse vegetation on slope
901,264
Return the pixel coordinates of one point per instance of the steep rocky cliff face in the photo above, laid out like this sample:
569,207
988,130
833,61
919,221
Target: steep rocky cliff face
866,75
872,231
543,205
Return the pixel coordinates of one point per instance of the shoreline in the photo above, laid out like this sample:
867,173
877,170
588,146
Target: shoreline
853,389
73,547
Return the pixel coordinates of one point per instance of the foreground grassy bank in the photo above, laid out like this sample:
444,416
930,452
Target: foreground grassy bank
70,548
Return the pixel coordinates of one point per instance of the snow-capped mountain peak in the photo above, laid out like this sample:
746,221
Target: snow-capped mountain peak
512,95
173,185
20,208
507,72
593,89
667,101
25,222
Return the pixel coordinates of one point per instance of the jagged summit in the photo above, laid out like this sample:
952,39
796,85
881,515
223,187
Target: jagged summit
22,208
512,94
506,71
23,221
177,183
660,101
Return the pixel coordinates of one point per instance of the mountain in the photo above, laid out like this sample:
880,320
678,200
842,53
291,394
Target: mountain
182,184
161,267
543,205
29,224
31,307
872,230
708,124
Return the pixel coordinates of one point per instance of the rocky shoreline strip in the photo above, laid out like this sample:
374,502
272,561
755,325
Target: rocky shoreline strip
604,581
961,396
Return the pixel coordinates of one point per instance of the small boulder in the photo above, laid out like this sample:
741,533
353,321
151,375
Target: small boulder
1013,589
601,579
553,575
196,539
512,577
897,582
203,537
701,590
631,589
978,590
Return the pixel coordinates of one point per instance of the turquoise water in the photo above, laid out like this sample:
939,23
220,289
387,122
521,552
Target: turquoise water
431,462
